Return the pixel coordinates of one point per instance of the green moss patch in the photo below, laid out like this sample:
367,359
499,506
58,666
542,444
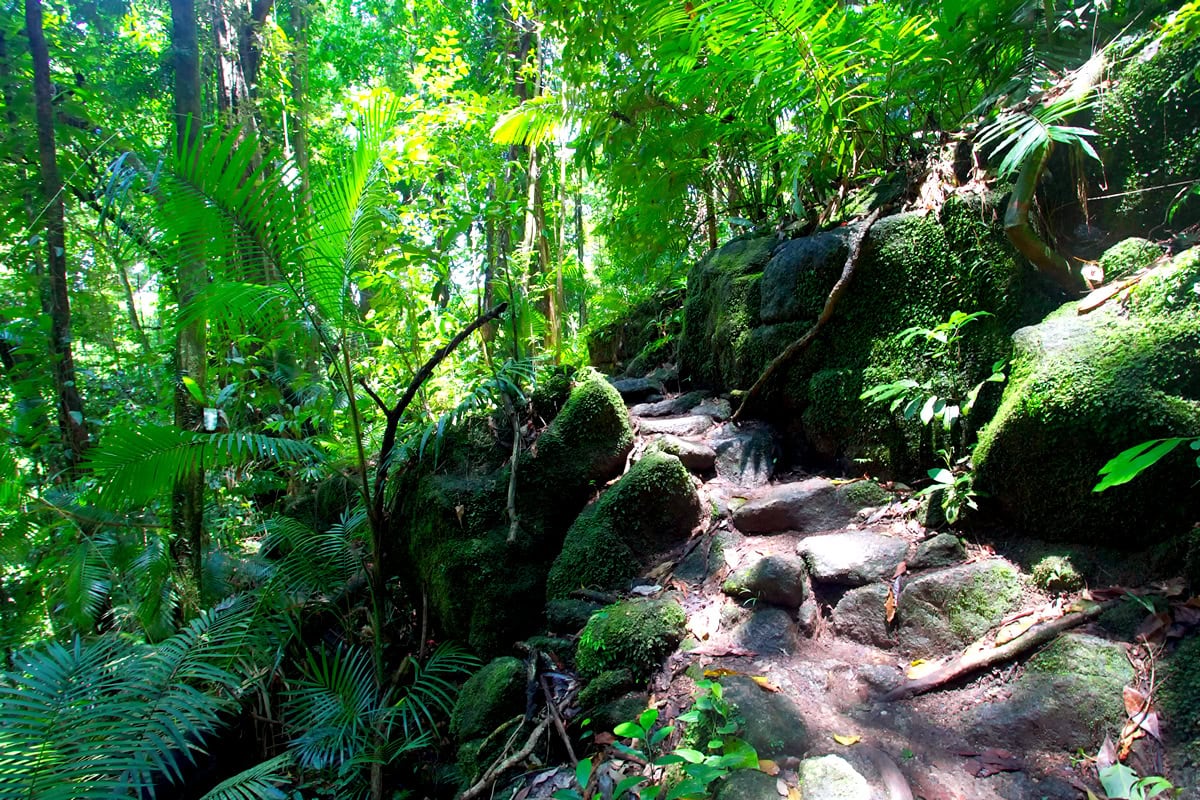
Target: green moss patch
488,698
635,635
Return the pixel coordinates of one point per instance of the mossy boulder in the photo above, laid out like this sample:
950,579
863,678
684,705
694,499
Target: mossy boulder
489,697
634,635
1068,698
651,508
939,610
640,339
1056,574
1084,388
606,687
750,299
772,724
780,580
482,588
1127,257
1150,125
1181,693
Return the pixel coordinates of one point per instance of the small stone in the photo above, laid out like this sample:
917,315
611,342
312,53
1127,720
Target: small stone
676,426
633,390
809,616
696,456
852,558
832,778
778,580
769,630
943,550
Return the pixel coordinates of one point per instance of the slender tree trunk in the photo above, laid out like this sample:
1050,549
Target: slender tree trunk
191,346
135,321
70,404
298,77
583,316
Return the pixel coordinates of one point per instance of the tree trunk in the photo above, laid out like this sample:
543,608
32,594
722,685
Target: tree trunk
70,404
298,77
187,520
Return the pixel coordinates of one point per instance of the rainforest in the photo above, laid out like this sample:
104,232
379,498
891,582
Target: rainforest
621,400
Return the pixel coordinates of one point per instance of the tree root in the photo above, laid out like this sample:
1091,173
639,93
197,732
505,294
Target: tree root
973,658
800,345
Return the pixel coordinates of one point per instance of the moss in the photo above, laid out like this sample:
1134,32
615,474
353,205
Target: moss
656,353
1124,619
605,687
1171,290
986,597
568,615
1150,123
1127,257
1084,388
635,635
634,333
1181,692
481,587
721,309
652,507
863,494
1085,674
489,697
1056,574
552,391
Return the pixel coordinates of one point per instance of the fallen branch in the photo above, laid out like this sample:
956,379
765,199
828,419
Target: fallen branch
975,659
496,770
800,345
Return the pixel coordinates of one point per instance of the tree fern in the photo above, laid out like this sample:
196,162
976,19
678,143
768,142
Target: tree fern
260,782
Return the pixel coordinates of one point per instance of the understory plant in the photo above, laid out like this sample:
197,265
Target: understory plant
943,414
709,751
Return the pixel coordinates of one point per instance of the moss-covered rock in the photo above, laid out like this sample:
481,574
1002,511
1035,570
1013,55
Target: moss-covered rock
1150,125
915,270
481,587
488,698
1127,257
606,687
1056,574
651,508
769,721
1181,693
1083,389
639,339
776,579
1068,698
635,635
721,310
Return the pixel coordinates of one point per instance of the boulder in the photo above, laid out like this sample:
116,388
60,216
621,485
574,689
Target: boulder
813,504
1148,123
748,784
1068,698
482,588
796,280
779,580
671,407
636,390
943,550
1127,257
676,426
832,778
634,635
696,456
938,611
716,407
852,558
773,724
649,510
1085,387
489,697
746,453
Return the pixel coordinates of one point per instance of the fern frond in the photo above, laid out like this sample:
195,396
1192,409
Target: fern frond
135,465
334,707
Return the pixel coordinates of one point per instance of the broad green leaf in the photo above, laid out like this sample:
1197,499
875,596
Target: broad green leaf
1130,463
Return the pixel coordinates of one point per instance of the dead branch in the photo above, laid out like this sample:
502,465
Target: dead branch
974,658
496,770
800,345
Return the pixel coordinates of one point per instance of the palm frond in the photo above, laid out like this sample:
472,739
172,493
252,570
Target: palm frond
260,782
314,563
334,707
135,465
433,690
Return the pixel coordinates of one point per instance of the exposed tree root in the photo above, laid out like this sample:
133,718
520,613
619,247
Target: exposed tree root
493,773
800,345
974,658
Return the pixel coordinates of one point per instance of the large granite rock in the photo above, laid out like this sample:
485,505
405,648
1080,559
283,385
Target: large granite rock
852,558
938,611
746,453
810,505
774,726
779,580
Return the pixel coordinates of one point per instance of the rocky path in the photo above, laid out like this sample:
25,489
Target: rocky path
812,598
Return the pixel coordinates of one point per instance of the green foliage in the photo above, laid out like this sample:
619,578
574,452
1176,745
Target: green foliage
685,772
1128,464
98,719
1119,781
1024,136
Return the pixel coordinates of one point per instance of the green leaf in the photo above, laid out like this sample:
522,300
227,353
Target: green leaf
689,755
942,476
630,730
1130,463
1118,781
627,784
583,772
194,390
